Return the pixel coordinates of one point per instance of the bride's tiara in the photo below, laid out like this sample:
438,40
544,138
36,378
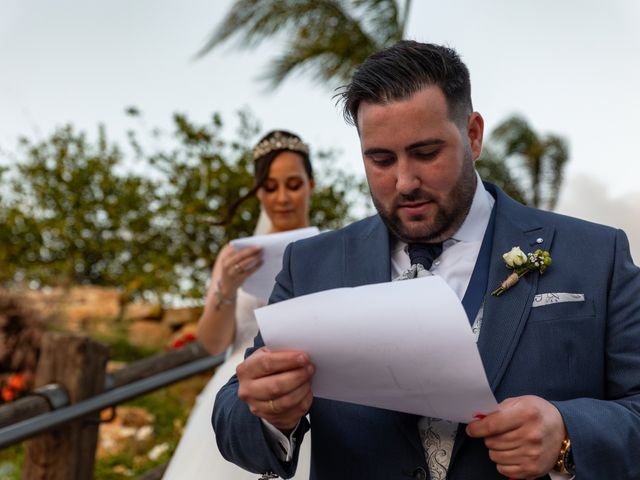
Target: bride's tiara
280,142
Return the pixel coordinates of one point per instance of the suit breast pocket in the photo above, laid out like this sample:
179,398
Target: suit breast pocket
566,310
560,353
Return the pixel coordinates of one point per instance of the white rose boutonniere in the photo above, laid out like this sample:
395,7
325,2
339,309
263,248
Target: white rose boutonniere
522,263
515,257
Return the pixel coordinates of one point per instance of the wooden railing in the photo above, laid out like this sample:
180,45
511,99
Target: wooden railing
63,413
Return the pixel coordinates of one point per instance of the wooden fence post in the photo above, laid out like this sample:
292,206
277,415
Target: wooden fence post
67,453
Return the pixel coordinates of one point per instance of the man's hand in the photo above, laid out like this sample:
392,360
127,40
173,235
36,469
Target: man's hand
523,436
277,386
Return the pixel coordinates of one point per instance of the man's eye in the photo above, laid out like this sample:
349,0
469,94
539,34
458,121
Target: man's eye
382,160
428,155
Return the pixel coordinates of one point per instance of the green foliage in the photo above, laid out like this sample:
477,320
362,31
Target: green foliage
326,40
526,165
202,174
82,211
336,194
74,214
493,168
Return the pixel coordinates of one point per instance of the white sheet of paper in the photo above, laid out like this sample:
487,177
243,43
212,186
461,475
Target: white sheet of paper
404,346
261,282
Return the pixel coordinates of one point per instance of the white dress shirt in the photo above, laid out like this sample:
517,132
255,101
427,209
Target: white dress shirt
459,253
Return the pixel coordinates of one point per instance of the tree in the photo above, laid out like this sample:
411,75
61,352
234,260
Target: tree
527,165
329,39
71,217
144,218
492,167
326,39
204,174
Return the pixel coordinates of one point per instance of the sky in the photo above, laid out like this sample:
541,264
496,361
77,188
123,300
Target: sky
571,68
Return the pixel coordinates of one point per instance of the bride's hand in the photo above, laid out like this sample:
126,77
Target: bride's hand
237,265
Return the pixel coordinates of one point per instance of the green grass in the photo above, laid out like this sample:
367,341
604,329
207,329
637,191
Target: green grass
120,349
169,406
123,351
11,459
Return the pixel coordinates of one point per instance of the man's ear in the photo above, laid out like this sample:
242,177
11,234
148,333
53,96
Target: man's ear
475,132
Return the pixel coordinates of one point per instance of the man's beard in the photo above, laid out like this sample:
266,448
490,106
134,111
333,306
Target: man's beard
448,218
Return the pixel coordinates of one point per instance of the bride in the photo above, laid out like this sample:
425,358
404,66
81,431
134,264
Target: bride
283,185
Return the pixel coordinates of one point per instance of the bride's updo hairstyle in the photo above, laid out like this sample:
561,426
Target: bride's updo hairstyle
264,153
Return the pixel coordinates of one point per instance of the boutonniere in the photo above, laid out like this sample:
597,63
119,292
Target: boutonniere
522,263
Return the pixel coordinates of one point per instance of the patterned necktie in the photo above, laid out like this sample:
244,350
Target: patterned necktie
424,253
437,436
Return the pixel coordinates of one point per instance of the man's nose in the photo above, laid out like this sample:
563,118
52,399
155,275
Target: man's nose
407,179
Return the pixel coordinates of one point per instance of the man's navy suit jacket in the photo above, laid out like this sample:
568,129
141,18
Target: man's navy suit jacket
582,356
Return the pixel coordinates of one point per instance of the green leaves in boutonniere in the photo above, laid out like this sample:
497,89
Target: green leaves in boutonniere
522,263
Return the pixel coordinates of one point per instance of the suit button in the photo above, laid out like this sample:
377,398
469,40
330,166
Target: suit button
420,474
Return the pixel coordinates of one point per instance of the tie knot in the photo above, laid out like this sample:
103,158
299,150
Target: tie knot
424,253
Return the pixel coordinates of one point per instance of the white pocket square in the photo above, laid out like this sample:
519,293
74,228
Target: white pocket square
543,299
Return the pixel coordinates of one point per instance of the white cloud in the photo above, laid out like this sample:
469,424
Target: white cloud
589,198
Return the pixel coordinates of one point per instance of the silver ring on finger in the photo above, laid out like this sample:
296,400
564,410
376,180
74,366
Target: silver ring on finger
238,268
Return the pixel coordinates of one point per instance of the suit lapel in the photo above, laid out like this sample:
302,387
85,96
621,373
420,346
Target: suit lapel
367,260
504,317
366,255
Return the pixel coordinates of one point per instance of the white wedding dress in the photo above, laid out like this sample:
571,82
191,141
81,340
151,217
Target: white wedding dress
197,456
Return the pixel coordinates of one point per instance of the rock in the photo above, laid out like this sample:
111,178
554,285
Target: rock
142,311
113,365
149,334
122,470
176,317
156,452
86,307
45,302
131,430
78,308
144,434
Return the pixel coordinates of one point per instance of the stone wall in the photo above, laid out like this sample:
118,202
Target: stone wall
91,309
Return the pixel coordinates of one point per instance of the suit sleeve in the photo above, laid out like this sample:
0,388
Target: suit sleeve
241,437
605,433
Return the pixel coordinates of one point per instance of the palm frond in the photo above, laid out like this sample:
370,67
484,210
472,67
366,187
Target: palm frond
541,159
329,37
381,18
256,19
328,54
557,155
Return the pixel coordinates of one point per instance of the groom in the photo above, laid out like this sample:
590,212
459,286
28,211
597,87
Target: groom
560,350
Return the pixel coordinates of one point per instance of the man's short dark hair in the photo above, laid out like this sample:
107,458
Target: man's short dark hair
403,69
